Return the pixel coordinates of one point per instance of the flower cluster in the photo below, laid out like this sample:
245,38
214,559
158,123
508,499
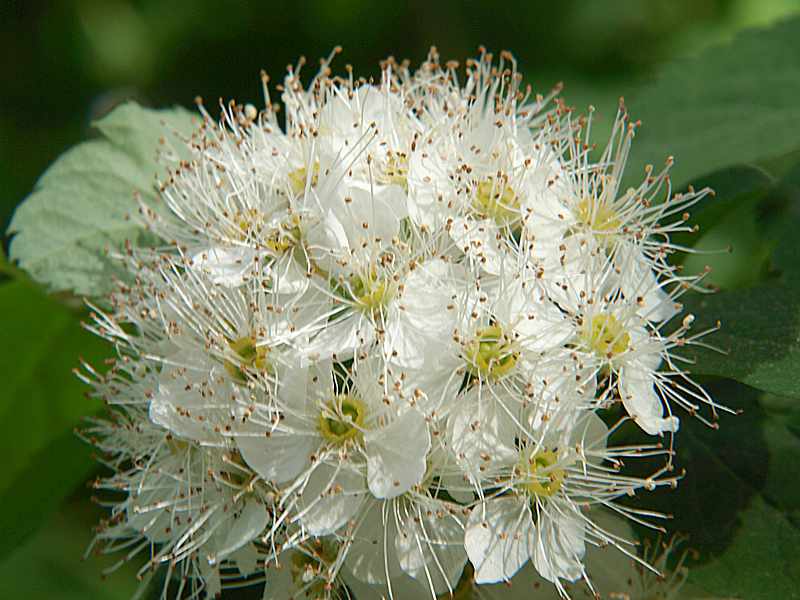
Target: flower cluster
389,338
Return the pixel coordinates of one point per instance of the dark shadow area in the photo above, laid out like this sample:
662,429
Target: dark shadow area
725,469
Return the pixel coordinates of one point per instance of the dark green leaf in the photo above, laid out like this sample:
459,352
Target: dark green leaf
42,401
731,104
760,335
760,326
740,501
47,476
731,187
50,565
739,227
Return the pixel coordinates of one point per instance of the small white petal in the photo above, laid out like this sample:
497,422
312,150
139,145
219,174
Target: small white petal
288,276
246,559
396,455
211,577
643,403
481,432
279,584
186,412
229,267
420,319
639,283
558,549
479,241
282,455
430,544
498,536
541,325
280,450
240,529
402,587
341,336
372,557
330,499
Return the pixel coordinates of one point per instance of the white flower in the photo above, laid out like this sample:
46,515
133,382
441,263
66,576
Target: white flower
333,438
536,511
379,343
616,338
586,221
628,352
415,535
199,508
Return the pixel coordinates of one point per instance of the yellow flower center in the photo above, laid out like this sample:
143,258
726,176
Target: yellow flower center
370,294
342,419
491,353
606,336
495,199
299,177
284,237
248,223
396,170
542,477
249,356
598,216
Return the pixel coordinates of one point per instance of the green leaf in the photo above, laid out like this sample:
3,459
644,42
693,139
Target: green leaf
46,477
732,186
80,206
731,104
42,402
760,335
760,326
50,565
737,228
740,499
760,563
760,330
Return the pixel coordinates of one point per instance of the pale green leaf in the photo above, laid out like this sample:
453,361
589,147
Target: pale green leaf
80,206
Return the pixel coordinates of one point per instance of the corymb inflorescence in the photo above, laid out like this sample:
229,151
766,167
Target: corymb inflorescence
386,348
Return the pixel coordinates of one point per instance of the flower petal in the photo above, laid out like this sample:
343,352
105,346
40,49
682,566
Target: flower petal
331,497
239,529
340,337
229,267
430,543
481,432
558,549
643,403
498,537
372,558
396,455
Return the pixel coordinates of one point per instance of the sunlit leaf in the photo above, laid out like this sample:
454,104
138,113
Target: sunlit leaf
80,206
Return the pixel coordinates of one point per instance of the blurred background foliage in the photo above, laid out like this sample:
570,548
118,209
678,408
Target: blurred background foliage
69,62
